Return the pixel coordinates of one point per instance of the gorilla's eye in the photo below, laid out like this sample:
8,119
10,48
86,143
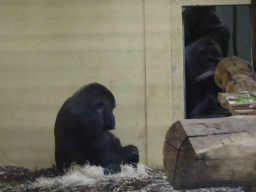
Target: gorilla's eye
99,105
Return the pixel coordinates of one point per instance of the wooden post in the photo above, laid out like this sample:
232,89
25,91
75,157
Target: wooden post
211,152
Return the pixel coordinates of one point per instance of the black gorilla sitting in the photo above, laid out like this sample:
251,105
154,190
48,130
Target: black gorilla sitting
203,21
82,131
201,59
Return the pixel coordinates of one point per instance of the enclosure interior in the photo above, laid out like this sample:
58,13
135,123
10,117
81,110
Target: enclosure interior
51,48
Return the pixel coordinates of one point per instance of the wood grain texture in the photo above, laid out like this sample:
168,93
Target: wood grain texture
211,152
234,74
237,108
224,97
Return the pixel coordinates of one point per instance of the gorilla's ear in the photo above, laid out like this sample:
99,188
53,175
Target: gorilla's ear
99,105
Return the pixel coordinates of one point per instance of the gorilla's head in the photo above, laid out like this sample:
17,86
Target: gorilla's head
99,101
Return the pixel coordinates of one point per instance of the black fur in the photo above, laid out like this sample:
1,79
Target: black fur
82,131
201,59
203,21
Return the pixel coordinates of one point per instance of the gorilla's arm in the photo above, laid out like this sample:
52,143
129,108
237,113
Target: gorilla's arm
111,151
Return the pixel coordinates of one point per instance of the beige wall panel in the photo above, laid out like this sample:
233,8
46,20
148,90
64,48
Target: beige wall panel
69,17
49,49
69,42
177,77
28,117
70,60
157,43
27,147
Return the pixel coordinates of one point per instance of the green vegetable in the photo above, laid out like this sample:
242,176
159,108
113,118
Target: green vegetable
242,100
7,185
253,96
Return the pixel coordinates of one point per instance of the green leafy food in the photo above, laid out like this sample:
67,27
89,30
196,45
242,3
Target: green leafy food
242,100
7,185
253,96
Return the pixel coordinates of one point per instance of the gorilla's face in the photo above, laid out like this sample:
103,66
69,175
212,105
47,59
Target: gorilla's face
108,120
106,112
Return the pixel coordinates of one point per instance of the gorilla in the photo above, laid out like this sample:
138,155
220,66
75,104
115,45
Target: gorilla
203,21
82,132
201,59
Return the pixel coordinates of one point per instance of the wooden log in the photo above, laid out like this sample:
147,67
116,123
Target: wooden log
211,152
224,97
241,85
244,112
234,74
